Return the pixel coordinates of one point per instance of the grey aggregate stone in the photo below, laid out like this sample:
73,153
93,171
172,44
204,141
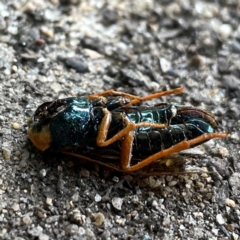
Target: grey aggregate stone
138,47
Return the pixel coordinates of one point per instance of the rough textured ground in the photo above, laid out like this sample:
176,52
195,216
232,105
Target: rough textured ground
58,48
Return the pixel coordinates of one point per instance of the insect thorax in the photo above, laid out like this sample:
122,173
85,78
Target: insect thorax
70,127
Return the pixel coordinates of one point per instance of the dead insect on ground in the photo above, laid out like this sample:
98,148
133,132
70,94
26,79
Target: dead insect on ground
110,129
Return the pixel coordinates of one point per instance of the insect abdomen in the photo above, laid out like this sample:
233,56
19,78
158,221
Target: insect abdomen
157,114
155,140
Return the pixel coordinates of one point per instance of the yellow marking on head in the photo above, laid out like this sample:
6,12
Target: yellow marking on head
41,140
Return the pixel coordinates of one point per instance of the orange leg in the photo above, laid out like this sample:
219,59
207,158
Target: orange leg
126,134
136,99
158,95
106,121
125,157
111,92
127,147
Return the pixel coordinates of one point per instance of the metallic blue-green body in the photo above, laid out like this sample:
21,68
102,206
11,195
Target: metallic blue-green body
73,126
78,123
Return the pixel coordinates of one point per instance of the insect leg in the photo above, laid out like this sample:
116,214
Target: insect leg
111,92
129,126
136,99
207,136
126,151
82,157
174,149
158,95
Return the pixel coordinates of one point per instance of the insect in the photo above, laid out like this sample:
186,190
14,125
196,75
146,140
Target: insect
101,126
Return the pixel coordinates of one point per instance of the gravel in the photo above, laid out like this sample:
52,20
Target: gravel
55,49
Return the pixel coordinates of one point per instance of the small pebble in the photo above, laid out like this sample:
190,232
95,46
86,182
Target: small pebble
52,219
197,61
12,29
99,218
77,217
231,82
230,203
14,68
15,207
93,54
172,10
56,87
6,153
154,203
198,214
41,214
207,10
97,198
182,227
225,30
121,221
3,232
223,152
115,179
235,236
81,231
110,16
71,229
77,65
26,220
153,182
235,136
35,231
220,219
49,201
166,221
172,183
117,203
43,236
43,173
47,32
90,234
134,213
215,231
165,65
75,197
